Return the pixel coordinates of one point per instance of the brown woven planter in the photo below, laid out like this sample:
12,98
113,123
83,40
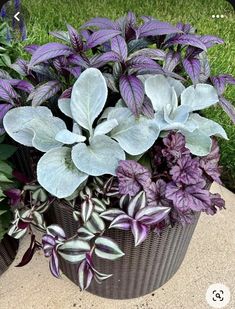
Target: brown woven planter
8,250
142,270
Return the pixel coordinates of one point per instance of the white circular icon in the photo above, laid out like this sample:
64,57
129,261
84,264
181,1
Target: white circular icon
218,295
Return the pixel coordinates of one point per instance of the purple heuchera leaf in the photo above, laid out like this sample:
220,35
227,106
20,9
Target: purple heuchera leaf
183,217
155,193
155,27
132,177
49,51
174,147
185,197
118,45
216,201
186,171
132,92
101,36
210,163
192,66
75,39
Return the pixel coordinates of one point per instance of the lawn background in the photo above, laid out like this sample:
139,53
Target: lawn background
52,15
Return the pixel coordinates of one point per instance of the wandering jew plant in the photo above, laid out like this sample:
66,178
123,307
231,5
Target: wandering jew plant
115,113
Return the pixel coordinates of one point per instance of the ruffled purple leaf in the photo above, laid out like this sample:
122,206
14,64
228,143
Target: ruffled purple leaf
151,215
210,40
85,275
192,66
188,197
49,51
75,39
132,177
101,36
216,203
54,265
174,147
186,171
119,46
102,59
44,92
7,93
155,27
139,231
121,222
172,60
210,163
155,194
101,23
186,39
228,108
31,48
132,92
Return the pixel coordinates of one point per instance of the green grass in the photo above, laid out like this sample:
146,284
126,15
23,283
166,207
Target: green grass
54,14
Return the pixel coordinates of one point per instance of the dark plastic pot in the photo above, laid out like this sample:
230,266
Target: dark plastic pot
8,250
143,269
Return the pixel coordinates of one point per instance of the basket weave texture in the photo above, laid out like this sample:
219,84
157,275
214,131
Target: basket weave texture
142,270
8,250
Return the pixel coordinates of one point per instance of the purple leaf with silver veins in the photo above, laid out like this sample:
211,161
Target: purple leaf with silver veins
99,22
210,40
142,62
75,71
7,93
186,39
22,85
75,39
192,197
132,92
192,66
44,92
31,48
101,36
49,51
186,171
155,27
132,177
78,60
66,94
155,193
147,108
119,46
172,60
98,61
227,107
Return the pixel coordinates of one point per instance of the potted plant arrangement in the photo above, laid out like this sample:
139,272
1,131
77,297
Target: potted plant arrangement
126,158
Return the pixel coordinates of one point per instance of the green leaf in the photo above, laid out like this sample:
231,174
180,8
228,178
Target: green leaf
6,151
107,249
88,98
3,178
57,173
98,158
6,168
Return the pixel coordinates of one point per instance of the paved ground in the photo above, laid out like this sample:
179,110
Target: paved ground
210,259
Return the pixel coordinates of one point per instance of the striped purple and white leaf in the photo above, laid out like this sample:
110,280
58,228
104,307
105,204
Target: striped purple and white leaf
74,250
107,248
85,275
139,231
87,208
